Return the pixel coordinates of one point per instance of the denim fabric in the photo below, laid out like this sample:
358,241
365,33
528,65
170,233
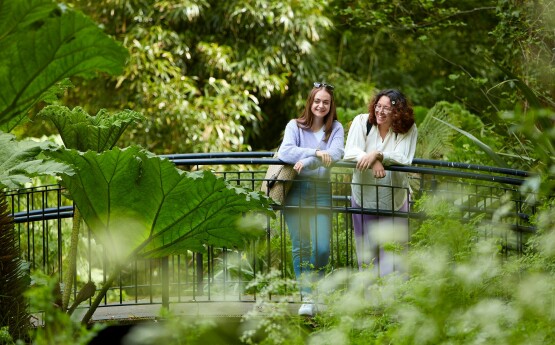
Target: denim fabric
309,225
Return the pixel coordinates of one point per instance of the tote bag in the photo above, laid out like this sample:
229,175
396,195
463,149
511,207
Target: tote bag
278,181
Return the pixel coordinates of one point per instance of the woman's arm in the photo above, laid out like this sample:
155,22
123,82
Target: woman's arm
336,142
334,148
289,150
356,139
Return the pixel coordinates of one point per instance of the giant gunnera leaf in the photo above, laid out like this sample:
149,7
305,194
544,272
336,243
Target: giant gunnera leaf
19,160
41,44
138,204
83,132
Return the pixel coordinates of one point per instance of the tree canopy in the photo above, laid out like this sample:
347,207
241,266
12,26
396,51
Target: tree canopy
227,75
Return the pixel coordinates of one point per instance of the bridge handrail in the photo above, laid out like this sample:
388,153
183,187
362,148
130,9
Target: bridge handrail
201,157
266,158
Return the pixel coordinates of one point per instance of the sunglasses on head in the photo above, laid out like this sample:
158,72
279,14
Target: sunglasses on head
327,86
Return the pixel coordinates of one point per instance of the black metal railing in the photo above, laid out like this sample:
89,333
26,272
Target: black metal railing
43,219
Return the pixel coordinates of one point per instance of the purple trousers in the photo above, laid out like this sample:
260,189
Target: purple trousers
380,240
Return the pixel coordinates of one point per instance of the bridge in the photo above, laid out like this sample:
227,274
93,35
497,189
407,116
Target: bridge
217,282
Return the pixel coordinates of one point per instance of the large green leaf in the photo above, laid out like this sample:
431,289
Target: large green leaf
18,161
40,45
139,204
83,132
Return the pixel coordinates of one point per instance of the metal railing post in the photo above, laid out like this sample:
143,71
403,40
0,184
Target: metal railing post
165,283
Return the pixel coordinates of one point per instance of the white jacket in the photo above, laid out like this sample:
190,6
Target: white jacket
398,149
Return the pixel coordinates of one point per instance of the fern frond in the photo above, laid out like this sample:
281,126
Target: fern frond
435,139
13,305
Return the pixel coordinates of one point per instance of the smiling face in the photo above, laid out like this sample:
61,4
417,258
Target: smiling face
321,104
383,111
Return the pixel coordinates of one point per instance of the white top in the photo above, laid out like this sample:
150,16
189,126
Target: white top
319,134
398,149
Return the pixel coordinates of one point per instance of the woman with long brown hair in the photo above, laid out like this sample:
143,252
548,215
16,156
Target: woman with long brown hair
311,143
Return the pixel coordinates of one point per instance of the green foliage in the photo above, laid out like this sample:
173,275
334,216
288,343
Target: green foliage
450,132
56,43
65,43
14,316
19,160
434,137
226,76
460,290
132,214
269,322
83,132
499,162
346,116
415,45
480,143
57,327
442,229
240,268
5,337
541,249
524,35
174,329
211,74
208,75
535,127
62,43
80,131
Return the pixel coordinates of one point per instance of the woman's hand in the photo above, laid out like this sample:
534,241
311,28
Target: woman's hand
378,169
325,157
367,161
298,166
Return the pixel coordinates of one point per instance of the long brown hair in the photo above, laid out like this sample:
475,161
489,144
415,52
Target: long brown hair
306,119
402,113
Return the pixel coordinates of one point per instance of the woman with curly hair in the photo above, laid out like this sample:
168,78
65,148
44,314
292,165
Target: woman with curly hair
385,136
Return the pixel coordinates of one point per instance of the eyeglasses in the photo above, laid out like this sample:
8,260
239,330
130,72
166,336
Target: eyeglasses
379,107
327,86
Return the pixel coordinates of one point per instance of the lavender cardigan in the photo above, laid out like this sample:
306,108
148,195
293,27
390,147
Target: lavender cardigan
300,145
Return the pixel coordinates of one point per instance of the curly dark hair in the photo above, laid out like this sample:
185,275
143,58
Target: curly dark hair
306,118
401,110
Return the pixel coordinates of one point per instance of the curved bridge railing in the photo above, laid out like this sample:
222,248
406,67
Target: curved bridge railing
43,219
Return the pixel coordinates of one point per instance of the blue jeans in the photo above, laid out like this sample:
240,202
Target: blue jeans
309,226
